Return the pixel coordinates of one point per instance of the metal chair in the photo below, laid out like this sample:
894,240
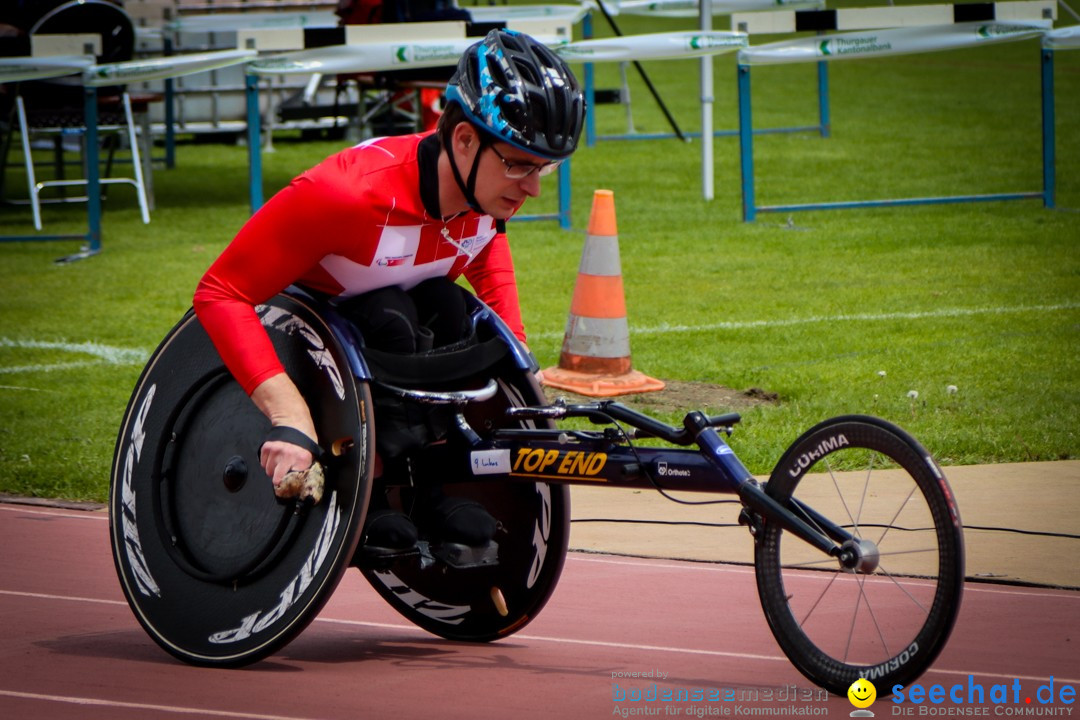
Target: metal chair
115,118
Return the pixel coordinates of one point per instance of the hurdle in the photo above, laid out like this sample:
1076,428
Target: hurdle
19,69
1067,38
704,11
92,77
903,30
363,48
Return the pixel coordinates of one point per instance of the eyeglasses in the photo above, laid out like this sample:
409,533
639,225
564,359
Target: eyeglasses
520,171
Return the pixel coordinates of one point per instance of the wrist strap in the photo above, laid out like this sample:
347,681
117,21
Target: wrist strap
291,435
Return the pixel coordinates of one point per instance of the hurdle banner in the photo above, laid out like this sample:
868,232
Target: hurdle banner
692,8
654,46
231,22
881,43
1066,38
569,14
369,57
895,41
132,71
19,69
844,19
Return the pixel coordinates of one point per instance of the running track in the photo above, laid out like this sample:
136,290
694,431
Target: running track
70,647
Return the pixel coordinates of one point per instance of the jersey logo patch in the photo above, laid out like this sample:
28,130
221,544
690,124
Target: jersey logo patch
397,246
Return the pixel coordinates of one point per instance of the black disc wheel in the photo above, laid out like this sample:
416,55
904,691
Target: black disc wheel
216,568
884,609
486,603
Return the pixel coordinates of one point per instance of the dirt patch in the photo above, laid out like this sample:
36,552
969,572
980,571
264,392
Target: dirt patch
681,397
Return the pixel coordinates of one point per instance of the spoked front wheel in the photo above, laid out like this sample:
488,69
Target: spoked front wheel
886,612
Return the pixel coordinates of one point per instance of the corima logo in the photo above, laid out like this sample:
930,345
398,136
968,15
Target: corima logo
825,447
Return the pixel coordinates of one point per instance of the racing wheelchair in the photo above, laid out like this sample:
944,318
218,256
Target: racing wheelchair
858,545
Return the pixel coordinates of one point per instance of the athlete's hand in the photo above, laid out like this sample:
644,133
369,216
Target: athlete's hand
279,458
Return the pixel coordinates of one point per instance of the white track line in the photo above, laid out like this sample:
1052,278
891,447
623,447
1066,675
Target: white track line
68,598
177,709
859,317
105,354
969,587
130,356
80,515
578,642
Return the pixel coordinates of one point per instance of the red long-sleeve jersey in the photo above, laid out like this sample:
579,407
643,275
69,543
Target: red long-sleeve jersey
363,219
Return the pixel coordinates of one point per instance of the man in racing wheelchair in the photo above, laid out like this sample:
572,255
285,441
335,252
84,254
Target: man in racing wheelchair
382,230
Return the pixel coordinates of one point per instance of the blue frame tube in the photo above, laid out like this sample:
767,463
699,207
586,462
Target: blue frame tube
746,143
898,202
716,133
564,195
590,86
254,134
824,115
1049,138
93,172
170,113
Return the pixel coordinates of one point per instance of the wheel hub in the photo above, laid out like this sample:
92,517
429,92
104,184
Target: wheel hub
859,555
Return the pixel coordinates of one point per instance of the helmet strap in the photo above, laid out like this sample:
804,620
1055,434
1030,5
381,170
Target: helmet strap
468,188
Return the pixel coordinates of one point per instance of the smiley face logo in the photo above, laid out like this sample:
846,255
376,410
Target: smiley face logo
862,693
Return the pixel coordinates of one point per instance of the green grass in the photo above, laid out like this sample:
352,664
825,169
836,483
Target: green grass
984,297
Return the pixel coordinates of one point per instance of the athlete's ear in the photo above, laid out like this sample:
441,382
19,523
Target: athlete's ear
465,138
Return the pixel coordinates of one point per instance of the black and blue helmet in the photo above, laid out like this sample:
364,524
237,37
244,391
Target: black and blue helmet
520,92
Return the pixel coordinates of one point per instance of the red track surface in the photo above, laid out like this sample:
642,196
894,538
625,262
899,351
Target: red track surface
70,647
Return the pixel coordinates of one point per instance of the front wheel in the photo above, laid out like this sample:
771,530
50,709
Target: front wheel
887,618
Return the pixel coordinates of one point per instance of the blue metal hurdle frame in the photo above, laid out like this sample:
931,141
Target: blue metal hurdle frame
746,158
591,138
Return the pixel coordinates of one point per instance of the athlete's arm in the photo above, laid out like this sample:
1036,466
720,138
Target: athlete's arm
492,276
289,235
279,400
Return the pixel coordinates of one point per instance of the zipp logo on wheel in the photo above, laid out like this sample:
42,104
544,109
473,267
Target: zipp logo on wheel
132,544
259,621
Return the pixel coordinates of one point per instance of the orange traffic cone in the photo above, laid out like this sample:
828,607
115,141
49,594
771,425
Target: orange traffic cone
595,358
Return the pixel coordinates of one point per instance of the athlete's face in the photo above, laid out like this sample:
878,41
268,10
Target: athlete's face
497,193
